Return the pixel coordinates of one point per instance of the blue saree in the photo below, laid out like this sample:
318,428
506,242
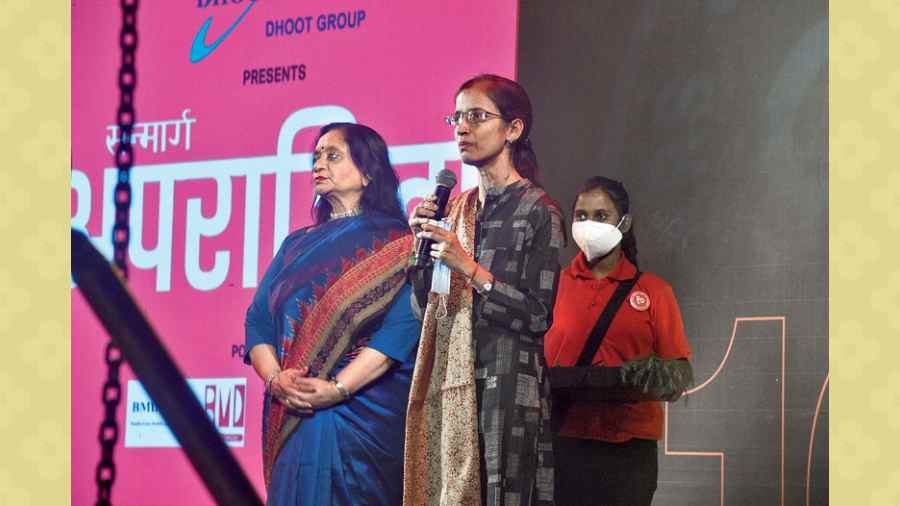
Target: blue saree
331,290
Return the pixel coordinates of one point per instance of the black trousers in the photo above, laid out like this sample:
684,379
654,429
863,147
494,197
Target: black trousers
597,473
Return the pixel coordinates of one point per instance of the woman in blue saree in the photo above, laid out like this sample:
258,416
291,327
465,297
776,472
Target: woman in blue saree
331,333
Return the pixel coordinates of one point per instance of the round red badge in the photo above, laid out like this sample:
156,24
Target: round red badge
639,300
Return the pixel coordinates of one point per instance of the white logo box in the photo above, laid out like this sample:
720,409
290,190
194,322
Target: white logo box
224,400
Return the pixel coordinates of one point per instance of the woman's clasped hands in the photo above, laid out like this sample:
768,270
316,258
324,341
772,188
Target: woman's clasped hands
303,394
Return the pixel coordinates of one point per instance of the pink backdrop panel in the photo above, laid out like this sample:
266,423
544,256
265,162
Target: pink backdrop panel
222,175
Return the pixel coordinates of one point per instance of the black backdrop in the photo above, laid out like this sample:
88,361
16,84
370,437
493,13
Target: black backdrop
714,115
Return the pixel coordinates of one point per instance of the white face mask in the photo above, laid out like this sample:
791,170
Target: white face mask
596,239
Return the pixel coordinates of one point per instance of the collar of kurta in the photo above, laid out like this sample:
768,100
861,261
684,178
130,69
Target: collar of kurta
492,193
623,270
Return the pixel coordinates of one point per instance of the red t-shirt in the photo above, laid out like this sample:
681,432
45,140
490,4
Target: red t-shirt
636,331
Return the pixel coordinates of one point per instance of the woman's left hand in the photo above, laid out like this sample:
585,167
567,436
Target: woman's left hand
447,248
318,392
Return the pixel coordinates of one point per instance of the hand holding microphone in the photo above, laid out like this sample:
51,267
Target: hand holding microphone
423,213
433,207
441,244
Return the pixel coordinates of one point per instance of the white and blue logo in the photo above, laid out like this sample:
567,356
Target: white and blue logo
224,400
199,48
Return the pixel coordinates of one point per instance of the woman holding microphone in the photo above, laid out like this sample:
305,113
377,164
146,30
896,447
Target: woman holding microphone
478,419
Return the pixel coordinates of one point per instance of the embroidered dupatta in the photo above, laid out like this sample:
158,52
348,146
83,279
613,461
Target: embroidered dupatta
441,464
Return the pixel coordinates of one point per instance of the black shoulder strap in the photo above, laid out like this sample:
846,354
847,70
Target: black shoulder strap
606,317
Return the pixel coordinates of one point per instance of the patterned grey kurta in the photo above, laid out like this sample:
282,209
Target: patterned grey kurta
518,237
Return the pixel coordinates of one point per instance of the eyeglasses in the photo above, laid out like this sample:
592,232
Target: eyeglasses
473,116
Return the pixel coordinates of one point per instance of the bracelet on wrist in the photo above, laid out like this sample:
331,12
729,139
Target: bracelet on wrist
345,393
270,378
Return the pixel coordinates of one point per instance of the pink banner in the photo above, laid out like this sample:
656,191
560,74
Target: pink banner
230,95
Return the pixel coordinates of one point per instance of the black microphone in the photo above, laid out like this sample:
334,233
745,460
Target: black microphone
446,180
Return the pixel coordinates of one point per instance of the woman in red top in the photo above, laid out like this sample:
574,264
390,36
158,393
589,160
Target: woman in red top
606,452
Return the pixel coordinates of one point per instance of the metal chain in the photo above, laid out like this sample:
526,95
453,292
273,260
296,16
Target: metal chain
112,389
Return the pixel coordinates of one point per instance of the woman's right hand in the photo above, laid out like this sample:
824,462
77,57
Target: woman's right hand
423,212
284,389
